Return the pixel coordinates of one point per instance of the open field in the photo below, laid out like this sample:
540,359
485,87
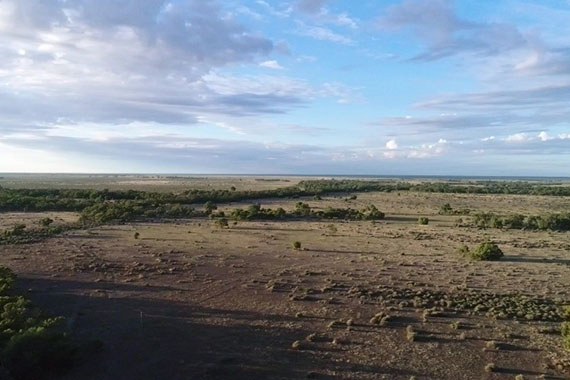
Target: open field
141,182
361,299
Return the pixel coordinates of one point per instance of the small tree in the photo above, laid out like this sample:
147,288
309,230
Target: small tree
210,207
296,245
222,223
136,236
566,335
18,229
302,209
446,209
423,220
45,222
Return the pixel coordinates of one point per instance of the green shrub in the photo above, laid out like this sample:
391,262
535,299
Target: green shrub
302,209
423,220
136,235
446,209
38,353
222,223
45,222
487,251
566,312
296,245
31,345
553,222
566,335
18,229
210,207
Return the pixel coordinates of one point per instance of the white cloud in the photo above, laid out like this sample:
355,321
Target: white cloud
271,65
543,136
323,34
392,145
517,138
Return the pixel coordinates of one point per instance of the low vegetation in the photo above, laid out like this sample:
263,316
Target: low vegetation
303,210
565,330
446,209
487,251
552,222
78,200
500,306
422,220
20,234
31,345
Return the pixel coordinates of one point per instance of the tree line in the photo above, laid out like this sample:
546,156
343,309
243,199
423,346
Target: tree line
78,200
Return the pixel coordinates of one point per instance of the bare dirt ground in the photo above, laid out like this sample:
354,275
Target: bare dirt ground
190,301
31,219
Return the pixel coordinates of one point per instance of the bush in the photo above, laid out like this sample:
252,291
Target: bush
423,220
302,209
446,209
566,312
222,223
553,222
136,236
31,345
296,245
487,251
38,353
210,207
566,335
18,229
45,222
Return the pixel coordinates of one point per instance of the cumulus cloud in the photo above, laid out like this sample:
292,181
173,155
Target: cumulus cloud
392,145
517,137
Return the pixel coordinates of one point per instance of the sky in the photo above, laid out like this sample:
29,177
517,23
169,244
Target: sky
376,87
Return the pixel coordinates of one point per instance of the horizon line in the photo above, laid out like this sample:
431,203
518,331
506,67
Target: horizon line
280,175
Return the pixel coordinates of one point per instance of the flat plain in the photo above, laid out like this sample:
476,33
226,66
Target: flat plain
381,299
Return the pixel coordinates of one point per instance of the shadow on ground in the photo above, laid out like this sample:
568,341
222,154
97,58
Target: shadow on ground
148,338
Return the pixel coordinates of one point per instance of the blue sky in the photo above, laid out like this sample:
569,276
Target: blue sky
285,87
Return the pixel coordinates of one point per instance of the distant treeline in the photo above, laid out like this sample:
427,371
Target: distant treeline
78,200
552,222
518,188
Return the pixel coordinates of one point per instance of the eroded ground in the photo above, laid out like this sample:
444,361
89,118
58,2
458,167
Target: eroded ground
187,300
